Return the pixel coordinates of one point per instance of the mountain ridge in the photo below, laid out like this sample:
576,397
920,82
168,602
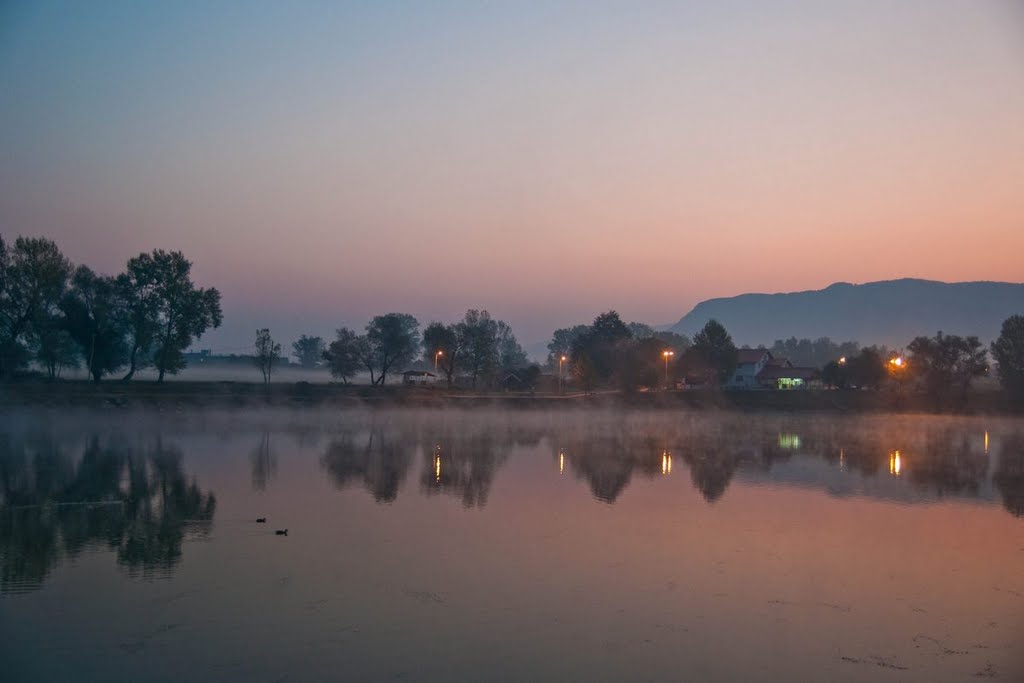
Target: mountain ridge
890,312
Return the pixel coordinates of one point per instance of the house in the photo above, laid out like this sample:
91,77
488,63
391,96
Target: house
749,363
418,377
788,377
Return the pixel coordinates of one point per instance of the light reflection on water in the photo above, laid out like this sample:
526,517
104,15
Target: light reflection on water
555,545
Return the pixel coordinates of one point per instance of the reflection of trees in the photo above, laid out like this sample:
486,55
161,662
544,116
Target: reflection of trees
1009,475
377,459
263,463
462,462
139,503
948,465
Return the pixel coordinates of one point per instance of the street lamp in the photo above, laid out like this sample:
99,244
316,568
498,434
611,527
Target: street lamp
439,353
666,355
560,361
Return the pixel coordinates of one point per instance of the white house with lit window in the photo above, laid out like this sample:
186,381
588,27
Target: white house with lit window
749,363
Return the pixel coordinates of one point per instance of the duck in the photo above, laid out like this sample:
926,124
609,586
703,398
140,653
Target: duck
261,520
281,532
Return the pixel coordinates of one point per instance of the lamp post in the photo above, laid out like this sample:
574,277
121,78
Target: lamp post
666,355
439,353
560,361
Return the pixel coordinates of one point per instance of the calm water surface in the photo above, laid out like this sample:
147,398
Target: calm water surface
526,546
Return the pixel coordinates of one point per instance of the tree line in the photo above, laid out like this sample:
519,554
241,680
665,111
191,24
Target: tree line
478,347
64,316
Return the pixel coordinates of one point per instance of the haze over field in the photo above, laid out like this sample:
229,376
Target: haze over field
324,163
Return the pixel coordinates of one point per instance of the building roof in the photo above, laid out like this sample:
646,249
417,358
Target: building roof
778,362
418,373
751,356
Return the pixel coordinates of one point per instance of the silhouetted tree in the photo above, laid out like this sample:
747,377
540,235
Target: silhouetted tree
137,287
714,345
185,311
346,354
947,363
603,351
813,353
267,352
1008,352
511,355
96,320
309,351
561,343
33,277
866,370
394,342
478,335
55,349
447,340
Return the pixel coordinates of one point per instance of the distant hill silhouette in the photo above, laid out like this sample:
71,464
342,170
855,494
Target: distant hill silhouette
891,312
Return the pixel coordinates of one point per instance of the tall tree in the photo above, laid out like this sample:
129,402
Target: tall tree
511,355
1008,352
95,318
346,354
394,342
267,352
55,349
138,287
185,311
309,351
946,364
33,278
478,334
438,337
561,342
714,345
604,350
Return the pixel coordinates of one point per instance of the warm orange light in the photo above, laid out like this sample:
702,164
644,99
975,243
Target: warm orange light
895,464
986,442
563,359
898,361
668,353
561,463
842,360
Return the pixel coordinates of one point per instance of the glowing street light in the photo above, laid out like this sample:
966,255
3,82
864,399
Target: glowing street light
898,362
666,355
436,355
560,361
842,360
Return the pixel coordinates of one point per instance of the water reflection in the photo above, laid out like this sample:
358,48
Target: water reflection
136,501
377,458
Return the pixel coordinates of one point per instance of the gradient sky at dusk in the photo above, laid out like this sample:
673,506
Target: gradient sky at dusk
324,162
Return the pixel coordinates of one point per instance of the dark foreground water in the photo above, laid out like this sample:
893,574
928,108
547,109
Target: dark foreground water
476,546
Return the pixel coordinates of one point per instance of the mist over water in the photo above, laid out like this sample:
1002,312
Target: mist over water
521,545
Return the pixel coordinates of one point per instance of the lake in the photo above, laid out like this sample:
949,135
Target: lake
441,545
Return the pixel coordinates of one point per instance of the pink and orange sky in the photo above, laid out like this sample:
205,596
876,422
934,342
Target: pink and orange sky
322,163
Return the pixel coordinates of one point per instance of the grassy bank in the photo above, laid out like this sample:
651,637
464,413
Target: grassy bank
192,394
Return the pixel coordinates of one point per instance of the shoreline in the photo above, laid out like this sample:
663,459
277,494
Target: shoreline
231,394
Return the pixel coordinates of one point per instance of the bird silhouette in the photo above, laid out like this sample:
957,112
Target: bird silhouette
261,520
281,532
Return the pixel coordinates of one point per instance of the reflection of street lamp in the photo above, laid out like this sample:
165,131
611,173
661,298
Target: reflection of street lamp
439,353
666,354
560,361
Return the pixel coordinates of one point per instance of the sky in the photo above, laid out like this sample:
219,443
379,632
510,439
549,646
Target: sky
321,163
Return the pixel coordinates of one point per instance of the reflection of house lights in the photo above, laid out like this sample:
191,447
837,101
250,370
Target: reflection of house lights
842,459
986,442
789,441
437,467
894,463
561,462
666,463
